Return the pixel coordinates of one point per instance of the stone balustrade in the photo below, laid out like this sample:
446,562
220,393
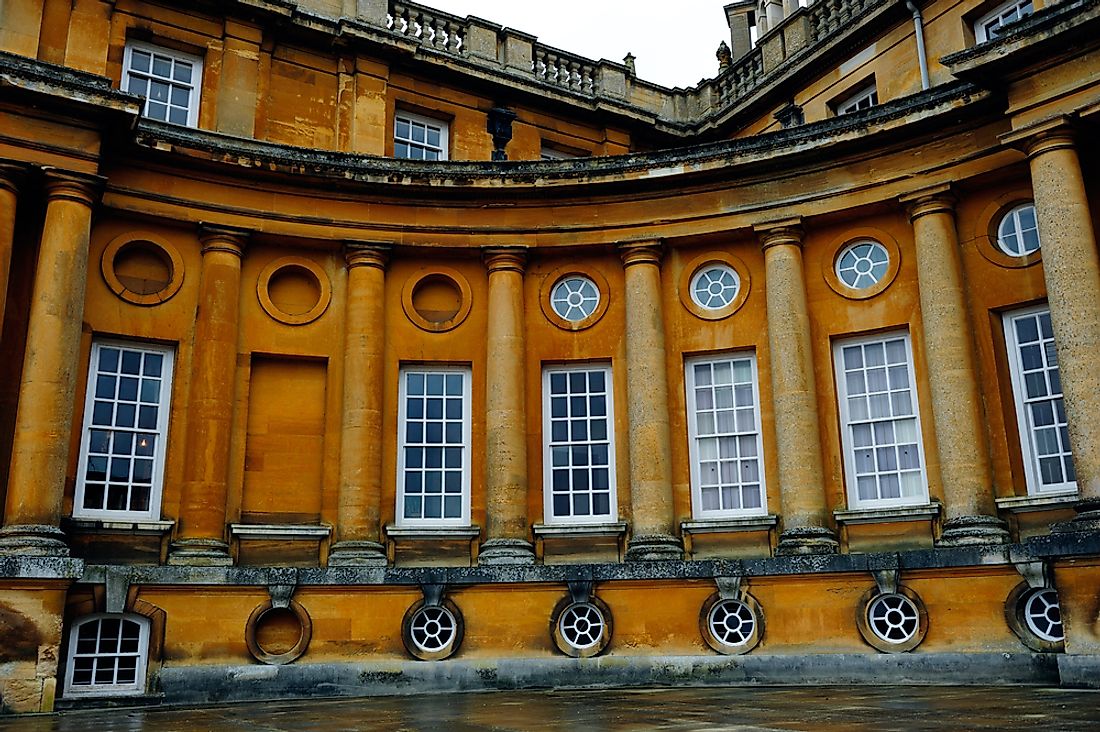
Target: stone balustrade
564,69
432,28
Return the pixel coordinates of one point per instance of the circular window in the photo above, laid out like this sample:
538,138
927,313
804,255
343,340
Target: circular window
731,626
278,635
1018,232
581,629
715,287
1043,615
432,632
142,268
862,264
575,298
893,617
294,290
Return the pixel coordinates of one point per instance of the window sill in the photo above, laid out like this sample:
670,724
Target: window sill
923,512
1048,502
427,533
559,531
279,531
140,526
765,522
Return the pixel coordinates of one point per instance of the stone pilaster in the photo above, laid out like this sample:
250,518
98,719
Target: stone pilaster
949,352
200,537
1071,267
10,178
794,394
506,413
359,518
43,423
647,408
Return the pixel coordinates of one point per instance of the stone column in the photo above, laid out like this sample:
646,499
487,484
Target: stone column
10,178
200,535
360,443
794,394
44,418
1072,272
506,413
647,408
971,517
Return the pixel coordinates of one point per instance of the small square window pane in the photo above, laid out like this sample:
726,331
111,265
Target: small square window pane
162,66
140,60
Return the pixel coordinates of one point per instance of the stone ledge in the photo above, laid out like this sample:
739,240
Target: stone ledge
279,531
41,568
200,684
428,533
551,531
85,525
924,512
1024,504
730,525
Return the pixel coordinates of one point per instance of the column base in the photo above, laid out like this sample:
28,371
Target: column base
654,548
506,551
974,531
33,540
807,540
357,554
199,553
1087,518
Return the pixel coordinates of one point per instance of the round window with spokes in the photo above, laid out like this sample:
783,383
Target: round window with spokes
731,626
862,264
581,629
892,622
432,632
575,298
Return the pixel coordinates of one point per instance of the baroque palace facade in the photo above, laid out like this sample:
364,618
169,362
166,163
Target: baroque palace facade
359,348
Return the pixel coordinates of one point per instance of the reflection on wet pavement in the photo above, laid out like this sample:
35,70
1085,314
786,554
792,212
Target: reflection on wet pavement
853,709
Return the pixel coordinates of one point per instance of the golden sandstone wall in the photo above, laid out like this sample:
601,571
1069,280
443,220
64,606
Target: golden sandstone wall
294,295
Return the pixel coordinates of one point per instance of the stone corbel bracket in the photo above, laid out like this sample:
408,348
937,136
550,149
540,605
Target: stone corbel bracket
887,580
282,582
1036,574
580,591
117,582
729,588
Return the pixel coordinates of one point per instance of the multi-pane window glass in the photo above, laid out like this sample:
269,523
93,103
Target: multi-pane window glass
862,264
1018,232
419,138
125,428
865,98
1040,411
715,287
990,25
580,453
433,470
881,428
727,470
107,655
575,298
169,81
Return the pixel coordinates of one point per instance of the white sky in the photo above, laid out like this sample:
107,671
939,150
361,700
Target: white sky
674,42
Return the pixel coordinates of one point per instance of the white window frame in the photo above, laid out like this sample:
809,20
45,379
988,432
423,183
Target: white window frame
93,689
552,153
195,85
854,102
983,26
697,510
413,118
847,446
1023,414
163,418
402,434
1012,218
548,444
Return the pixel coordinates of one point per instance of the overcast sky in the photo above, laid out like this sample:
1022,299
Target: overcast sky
674,42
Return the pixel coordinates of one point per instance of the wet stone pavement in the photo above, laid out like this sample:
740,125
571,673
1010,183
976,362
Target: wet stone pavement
856,709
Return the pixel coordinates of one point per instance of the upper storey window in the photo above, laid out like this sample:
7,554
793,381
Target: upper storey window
125,430
169,80
419,138
864,98
1018,232
989,26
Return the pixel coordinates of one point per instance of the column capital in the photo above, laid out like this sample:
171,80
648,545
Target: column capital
641,252
501,259
366,254
11,176
223,239
785,231
1045,136
78,187
934,199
